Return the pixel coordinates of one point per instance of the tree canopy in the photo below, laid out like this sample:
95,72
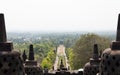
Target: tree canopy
83,49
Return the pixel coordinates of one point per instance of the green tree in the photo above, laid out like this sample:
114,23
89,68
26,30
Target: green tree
70,55
48,61
83,49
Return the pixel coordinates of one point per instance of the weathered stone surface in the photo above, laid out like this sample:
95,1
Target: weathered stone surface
10,61
31,53
92,67
6,46
33,70
3,37
95,52
24,56
31,66
118,29
110,60
62,73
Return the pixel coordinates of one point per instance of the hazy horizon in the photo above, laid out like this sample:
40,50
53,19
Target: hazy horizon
60,31
44,32
60,15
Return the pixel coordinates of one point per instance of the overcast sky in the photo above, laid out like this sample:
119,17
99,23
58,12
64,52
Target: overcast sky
60,15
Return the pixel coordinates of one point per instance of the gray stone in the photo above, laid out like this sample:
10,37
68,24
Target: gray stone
110,59
92,67
10,61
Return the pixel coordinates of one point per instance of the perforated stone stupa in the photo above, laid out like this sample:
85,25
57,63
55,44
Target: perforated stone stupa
10,61
110,60
31,66
92,67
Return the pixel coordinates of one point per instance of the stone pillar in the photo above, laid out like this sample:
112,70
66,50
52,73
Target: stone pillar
3,37
95,52
31,53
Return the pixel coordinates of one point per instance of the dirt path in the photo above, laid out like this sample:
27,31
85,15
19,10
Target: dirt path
60,52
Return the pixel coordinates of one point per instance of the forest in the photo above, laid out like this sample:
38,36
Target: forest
78,45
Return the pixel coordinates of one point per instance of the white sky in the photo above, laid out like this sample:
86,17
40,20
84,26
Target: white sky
60,15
